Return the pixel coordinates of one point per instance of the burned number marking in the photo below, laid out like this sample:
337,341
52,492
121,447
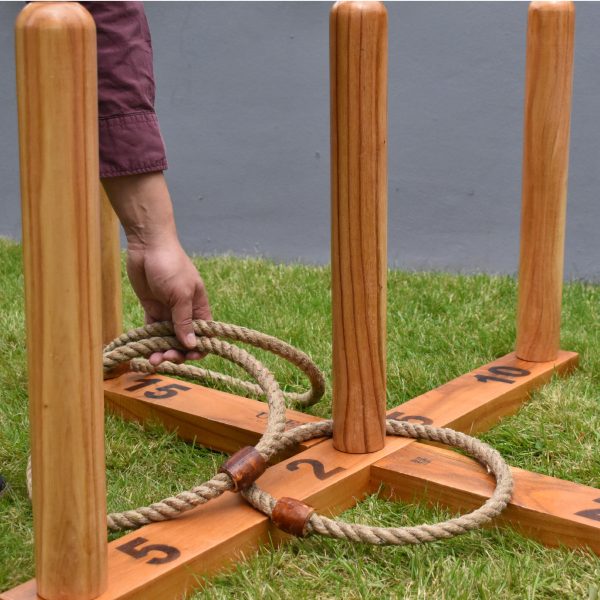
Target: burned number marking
317,467
591,513
166,391
503,374
142,383
400,416
132,549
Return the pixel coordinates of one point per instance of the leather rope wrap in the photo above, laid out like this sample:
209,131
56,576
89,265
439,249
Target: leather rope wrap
244,467
291,515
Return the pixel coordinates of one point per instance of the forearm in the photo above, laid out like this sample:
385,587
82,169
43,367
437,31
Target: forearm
132,158
143,205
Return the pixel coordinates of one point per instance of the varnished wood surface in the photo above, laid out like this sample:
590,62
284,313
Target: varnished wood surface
549,74
476,401
227,422
110,245
358,47
553,511
216,534
215,419
58,134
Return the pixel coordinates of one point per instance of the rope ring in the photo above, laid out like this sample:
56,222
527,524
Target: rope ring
484,454
212,329
138,344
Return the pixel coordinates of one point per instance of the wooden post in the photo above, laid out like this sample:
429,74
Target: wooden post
549,74
112,304
58,133
358,46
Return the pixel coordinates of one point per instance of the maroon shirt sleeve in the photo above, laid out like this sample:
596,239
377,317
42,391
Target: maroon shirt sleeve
129,134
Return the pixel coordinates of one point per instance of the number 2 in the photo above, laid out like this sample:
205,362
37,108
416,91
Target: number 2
317,467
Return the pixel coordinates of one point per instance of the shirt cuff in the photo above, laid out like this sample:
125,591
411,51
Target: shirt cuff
131,144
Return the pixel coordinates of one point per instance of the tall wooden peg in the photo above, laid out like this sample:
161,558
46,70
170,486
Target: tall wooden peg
549,74
358,47
58,134
112,304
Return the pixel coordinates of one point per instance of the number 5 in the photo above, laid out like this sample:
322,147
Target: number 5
168,391
131,548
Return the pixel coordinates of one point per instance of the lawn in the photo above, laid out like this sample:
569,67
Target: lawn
439,326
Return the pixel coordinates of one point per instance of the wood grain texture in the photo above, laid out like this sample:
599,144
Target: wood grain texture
476,401
110,245
220,532
57,100
358,47
553,511
549,75
215,419
227,422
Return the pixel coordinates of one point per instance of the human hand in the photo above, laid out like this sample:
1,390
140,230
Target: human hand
163,277
170,289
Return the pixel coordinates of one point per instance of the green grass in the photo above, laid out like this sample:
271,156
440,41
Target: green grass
439,326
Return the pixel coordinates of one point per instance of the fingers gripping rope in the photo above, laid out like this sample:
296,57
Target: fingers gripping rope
140,343
212,329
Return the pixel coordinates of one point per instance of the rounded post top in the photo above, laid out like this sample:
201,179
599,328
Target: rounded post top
54,15
366,7
551,6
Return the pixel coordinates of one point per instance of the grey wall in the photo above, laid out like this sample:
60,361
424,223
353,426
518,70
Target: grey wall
243,104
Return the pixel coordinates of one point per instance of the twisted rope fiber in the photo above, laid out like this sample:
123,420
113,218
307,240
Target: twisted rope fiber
232,332
484,454
138,344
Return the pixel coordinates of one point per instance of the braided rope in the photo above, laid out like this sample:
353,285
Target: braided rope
484,454
138,344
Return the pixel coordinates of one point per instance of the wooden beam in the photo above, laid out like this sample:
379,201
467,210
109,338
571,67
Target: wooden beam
215,419
226,422
220,532
58,135
215,535
478,400
358,51
553,511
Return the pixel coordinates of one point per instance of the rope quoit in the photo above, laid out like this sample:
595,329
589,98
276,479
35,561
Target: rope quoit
242,469
212,329
300,519
138,344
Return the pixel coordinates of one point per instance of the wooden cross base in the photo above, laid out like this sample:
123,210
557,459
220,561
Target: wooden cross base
165,560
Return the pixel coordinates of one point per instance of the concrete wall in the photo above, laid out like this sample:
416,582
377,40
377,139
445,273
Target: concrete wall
243,104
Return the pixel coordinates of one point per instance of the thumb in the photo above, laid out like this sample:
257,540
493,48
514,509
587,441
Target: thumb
182,321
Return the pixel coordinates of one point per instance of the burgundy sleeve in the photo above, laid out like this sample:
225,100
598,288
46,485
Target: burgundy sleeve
129,134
